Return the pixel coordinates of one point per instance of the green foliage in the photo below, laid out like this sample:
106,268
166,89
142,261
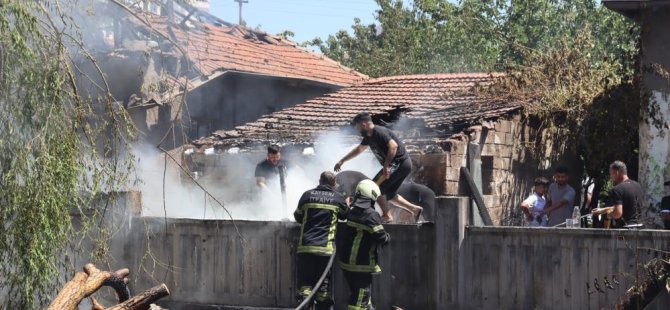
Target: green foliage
585,106
50,149
286,34
435,36
559,84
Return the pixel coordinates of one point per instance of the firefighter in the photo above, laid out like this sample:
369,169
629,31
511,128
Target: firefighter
317,212
357,244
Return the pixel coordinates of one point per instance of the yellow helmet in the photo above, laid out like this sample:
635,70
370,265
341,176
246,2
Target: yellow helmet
368,189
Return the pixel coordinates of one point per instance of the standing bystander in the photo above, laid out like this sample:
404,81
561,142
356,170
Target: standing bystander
560,197
626,197
268,171
533,206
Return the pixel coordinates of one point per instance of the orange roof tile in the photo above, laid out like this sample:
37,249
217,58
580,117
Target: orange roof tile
437,100
231,47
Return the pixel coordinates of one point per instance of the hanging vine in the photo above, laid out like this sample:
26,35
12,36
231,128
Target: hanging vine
59,148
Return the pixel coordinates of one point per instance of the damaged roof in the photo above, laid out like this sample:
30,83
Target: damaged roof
438,101
221,47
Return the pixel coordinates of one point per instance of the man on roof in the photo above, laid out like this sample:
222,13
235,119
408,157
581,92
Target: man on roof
392,155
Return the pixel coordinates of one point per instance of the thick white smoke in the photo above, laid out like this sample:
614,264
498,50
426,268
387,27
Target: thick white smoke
233,183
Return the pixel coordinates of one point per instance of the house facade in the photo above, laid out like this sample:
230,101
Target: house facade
444,125
230,74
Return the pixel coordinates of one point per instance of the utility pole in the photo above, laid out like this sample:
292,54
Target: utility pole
241,2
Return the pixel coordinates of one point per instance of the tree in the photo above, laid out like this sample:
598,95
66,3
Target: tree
59,148
430,36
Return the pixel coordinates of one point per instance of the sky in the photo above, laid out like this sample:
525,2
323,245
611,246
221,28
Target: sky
306,18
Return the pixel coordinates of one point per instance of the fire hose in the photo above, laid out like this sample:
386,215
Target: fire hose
307,300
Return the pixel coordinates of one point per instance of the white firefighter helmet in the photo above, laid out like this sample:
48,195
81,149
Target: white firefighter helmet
368,189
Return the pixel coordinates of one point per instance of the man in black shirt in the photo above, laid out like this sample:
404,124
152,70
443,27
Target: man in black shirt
626,197
391,154
267,171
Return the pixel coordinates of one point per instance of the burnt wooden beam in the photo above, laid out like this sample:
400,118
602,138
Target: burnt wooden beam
187,17
476,195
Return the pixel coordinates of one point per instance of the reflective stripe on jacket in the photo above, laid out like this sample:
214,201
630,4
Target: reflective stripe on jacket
358,239
318,211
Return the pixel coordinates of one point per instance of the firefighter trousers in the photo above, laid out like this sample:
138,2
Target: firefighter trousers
360,285
310,268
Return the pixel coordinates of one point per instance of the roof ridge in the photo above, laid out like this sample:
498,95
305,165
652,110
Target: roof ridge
299,47
458,75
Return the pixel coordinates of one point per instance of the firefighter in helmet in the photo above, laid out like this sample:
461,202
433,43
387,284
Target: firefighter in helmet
357,243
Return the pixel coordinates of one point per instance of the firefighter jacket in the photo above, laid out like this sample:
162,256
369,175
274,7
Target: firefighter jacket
318,211
358,239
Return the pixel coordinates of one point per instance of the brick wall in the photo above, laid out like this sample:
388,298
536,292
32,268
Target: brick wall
508,169
500,153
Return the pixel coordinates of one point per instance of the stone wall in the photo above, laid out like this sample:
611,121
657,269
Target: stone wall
508,166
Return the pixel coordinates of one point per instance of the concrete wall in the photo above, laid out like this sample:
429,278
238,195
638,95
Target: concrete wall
211,264
526,268
655,114
442,266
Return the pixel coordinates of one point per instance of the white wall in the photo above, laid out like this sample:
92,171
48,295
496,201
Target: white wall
655,151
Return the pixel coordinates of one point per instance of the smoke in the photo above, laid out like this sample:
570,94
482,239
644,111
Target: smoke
229,178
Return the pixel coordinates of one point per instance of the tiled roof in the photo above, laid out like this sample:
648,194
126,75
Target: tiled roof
437,100
213,48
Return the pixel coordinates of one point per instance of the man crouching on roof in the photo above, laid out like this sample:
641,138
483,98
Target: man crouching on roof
317,212
357,243
394,158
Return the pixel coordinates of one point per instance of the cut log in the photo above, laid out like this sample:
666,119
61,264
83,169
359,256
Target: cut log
88,282
144,300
